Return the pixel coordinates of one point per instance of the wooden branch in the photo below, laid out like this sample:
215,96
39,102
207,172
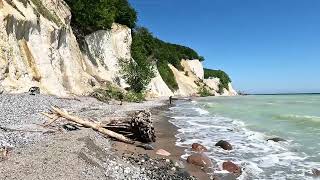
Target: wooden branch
24,130
95,126
53,118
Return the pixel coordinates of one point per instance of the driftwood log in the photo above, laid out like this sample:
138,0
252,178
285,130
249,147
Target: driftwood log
94,125
137,128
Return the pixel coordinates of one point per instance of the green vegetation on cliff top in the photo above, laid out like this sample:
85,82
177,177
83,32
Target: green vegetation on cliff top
93,15
224,78
147,49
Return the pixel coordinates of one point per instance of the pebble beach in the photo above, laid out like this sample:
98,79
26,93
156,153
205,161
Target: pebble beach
37,152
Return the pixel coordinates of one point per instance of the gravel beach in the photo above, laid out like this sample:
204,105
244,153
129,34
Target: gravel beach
36,152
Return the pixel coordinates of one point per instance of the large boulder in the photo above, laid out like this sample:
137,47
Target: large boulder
232,168
200,159
198,147
224,145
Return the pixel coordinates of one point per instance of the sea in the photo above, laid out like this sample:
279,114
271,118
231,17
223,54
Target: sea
247,122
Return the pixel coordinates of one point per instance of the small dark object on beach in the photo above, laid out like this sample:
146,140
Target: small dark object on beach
170,100
183,174
224,145
316,172
200,159
34,90
276,139
146,146
232,168
4,151
198,147
70,127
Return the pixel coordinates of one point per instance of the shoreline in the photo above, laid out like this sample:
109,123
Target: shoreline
165,139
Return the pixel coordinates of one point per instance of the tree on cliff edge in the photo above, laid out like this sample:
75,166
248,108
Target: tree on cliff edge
93,15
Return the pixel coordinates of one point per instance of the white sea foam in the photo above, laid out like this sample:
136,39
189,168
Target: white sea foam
201,111
259,158
295,117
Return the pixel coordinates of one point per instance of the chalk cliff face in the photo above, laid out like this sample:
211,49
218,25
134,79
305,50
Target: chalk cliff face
194,66
105,49
186,83
157,87
38,48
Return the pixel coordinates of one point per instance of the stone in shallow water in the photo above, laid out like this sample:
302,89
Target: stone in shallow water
276,139
316,172
198,147
232,168
200,159
224,145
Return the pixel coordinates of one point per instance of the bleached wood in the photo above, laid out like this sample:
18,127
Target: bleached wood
93,125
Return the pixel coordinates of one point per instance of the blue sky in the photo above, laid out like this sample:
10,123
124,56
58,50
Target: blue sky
266,46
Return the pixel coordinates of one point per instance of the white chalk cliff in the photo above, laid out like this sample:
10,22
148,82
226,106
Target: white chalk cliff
38,48
157,87
105,49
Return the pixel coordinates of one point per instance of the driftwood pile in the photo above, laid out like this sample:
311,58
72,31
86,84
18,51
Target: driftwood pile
137,128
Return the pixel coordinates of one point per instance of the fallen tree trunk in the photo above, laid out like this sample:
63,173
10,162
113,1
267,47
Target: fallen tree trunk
89,124
139,127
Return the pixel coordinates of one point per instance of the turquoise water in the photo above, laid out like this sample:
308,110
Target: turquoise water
247,121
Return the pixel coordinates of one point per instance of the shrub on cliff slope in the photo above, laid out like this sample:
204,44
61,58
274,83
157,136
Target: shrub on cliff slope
203,91
137,74
110,92
167,75
149,49
92,15
224,78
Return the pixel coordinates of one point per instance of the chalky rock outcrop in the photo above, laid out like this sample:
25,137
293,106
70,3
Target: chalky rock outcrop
157,87
195,66
104,50
38,48
186,82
